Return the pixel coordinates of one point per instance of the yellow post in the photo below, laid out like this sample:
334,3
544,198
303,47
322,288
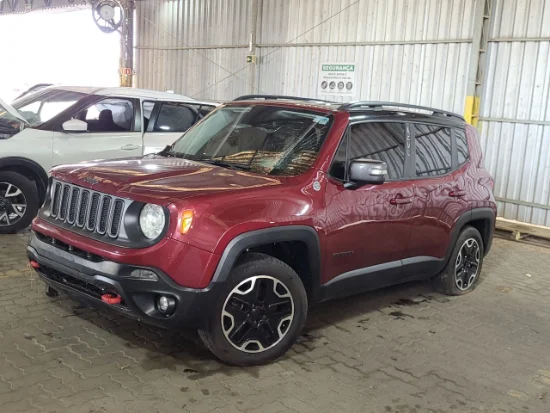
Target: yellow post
471,110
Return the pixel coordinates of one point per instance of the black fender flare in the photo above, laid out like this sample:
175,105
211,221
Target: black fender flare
467,217
35,168
250,239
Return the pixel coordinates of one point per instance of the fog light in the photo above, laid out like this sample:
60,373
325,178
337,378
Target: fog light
144,275
166,305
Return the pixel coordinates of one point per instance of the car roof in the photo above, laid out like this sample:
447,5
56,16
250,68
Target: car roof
133,93
326,106
361,110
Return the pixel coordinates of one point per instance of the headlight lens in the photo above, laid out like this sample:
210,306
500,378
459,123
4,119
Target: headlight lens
152,221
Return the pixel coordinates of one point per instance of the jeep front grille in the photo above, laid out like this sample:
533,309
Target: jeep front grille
86,210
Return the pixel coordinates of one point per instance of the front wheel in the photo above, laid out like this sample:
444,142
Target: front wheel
19,202
260,314
461,274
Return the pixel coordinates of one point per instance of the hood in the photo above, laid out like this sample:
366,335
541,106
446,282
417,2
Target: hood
160,180
5,107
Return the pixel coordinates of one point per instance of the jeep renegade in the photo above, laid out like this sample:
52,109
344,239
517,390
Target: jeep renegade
266,206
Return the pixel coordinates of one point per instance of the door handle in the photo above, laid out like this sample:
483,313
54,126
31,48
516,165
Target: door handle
457,193
399,200
129,147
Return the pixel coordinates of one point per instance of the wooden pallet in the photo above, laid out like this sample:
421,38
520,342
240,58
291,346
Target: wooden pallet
520,230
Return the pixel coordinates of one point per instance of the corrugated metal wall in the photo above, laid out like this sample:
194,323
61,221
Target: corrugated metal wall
194,47
515,109
413,51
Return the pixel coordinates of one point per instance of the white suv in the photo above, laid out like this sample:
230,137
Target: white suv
59,125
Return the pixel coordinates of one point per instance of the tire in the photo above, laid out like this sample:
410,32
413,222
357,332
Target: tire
237,332
17,189
458,277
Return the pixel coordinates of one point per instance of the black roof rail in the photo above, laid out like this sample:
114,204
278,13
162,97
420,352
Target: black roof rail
281,97
374,105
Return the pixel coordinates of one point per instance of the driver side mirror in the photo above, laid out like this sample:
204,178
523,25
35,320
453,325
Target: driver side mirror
367,171
75,125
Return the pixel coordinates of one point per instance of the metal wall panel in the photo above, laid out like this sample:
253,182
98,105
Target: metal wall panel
515,113
415,51
188,46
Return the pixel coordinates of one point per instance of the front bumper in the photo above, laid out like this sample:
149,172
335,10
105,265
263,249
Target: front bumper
86,278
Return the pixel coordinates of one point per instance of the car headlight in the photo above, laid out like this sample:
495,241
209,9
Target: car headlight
152,221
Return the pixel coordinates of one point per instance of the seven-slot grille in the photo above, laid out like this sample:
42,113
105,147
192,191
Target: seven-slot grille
86,209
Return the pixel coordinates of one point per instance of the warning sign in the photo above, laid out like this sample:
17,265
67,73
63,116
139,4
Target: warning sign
337,79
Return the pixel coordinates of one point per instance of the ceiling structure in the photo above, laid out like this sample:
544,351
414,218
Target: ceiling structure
26,6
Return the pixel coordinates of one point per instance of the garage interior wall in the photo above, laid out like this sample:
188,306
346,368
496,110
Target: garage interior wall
411,51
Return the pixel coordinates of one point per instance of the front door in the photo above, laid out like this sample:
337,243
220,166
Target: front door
112,133
367,229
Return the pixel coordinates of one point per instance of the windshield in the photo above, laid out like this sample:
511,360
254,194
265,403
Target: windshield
264,139
41,107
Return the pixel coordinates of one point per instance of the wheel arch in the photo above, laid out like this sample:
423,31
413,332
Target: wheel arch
300,236
482,219
30,169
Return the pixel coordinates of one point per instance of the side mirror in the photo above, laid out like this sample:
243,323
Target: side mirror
367,171
75,125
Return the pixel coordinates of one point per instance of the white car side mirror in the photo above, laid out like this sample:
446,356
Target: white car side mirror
75,125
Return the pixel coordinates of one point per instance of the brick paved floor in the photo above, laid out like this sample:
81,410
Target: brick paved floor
403,350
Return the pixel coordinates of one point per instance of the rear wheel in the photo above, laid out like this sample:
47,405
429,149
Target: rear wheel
19,202
461,274
260,313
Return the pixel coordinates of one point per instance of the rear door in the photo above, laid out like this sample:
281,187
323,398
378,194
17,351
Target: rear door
165,122
114,131
440,192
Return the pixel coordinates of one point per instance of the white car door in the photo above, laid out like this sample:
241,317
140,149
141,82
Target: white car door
165,122
113,131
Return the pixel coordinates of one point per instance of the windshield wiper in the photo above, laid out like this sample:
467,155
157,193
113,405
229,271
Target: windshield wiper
223,164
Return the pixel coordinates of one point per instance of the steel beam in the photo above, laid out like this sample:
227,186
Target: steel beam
478,58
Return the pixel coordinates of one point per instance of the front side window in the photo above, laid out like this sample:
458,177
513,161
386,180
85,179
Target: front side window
433,150
109,115
174,118
381,141
41,107
265,139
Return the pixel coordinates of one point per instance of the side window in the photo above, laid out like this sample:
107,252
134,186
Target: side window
461,146
147,112
174,118
384,141
433,150
109,115
205,110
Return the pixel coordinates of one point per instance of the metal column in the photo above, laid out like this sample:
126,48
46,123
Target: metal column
477,61
127,45
251,59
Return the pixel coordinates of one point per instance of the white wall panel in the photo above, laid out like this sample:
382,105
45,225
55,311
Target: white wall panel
515,109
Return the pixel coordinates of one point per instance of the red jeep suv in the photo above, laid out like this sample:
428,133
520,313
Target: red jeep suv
269,205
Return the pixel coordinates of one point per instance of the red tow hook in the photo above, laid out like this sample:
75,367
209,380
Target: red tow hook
34,264
111,298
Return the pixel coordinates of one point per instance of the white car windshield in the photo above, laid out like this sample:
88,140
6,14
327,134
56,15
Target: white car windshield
41,107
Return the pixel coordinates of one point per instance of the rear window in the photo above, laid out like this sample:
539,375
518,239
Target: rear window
461,146
433,150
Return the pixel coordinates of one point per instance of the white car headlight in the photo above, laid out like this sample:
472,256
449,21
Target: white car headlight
152,221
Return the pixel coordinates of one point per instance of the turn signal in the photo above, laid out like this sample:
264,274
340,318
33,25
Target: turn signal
186,220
